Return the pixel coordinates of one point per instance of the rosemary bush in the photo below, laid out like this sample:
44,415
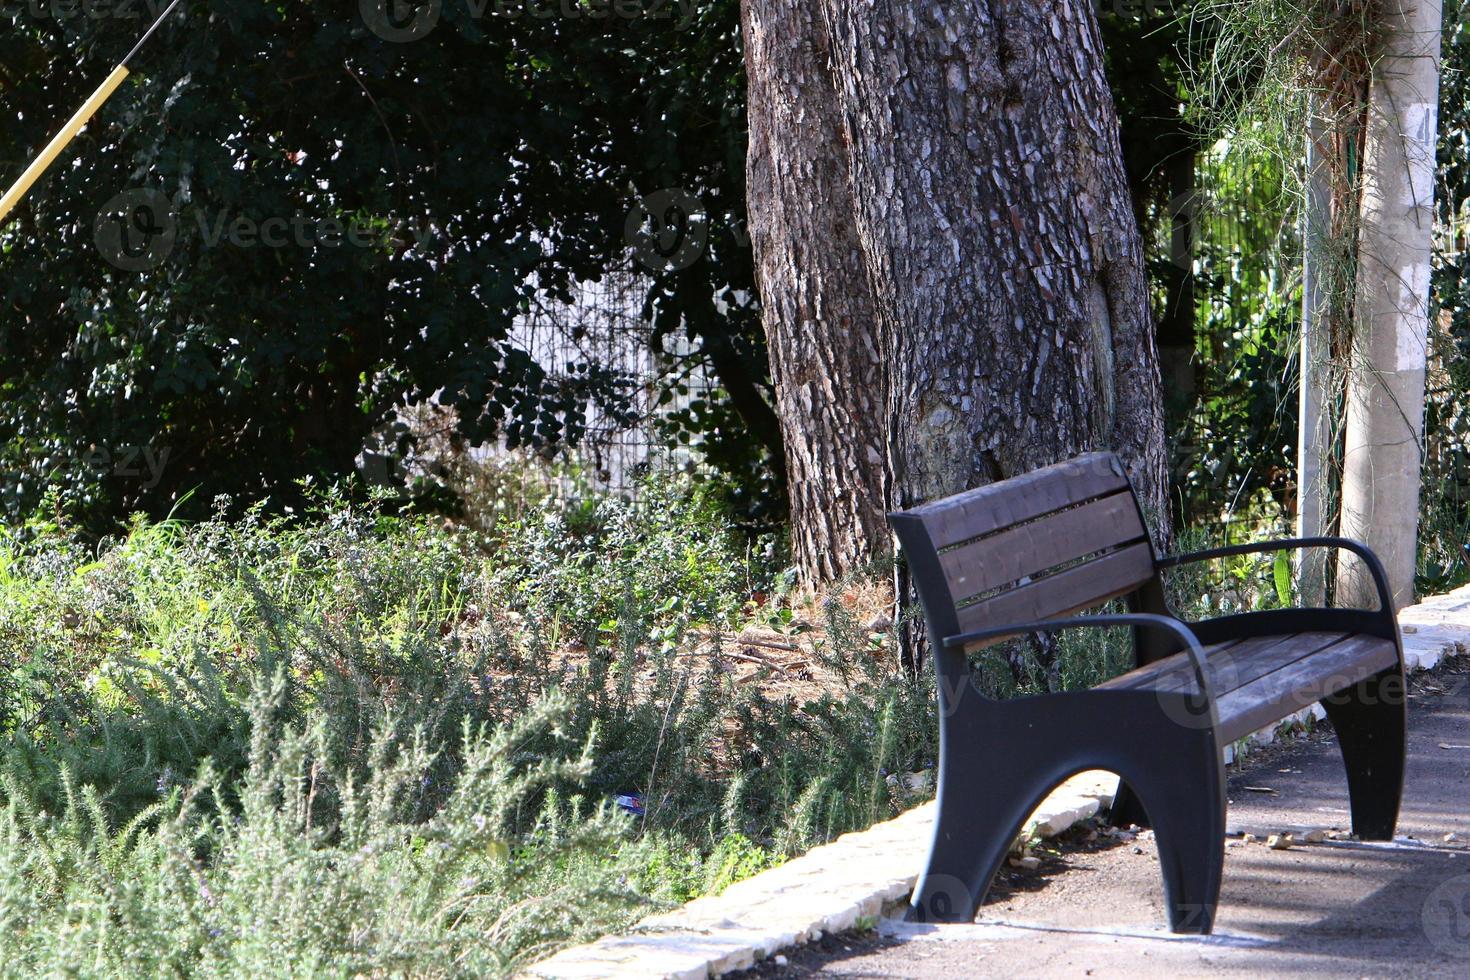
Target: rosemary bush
353,742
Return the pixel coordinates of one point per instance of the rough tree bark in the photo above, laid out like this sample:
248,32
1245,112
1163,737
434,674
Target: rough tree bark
992,216
820,321
995,220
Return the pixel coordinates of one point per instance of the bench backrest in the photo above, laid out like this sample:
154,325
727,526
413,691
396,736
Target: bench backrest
1039,546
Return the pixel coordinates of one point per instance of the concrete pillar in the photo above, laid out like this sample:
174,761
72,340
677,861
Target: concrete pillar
1385,390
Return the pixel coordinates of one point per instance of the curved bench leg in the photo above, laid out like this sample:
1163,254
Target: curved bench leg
966,855
1370,720
981,810
984,798
1186,798
1127,808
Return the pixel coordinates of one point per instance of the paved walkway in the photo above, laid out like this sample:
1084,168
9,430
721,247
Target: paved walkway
1329,908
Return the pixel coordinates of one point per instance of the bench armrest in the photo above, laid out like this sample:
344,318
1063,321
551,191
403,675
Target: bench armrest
1167,624
1375,567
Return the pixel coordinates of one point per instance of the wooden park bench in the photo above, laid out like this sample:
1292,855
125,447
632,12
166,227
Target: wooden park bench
1021,557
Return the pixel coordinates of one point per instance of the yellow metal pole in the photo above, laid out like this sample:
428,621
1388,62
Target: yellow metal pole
53,149
69,132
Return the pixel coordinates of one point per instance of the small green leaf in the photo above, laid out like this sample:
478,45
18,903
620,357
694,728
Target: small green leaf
1281,572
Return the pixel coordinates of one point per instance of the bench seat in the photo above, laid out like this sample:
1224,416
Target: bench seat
1262,679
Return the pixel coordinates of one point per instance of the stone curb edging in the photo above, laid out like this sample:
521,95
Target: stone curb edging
827,889
1436,628
861,875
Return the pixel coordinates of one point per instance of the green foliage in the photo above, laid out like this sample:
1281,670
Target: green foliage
593,572
487,167
315,869
1239,437
1074,660
1211,136
1445,498
1255,63
346,741
1142,47
1281,577
734,859
1225,586
1253,59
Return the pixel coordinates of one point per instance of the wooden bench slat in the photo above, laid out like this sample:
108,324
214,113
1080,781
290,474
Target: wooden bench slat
1250,659
1034,547
1270,677
1160,671
1069,591
1236,664
1301,683
968,515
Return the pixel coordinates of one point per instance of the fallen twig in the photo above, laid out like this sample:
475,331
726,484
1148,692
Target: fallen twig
768,644
739,656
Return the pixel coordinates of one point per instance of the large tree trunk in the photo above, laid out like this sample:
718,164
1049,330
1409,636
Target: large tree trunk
953,276
994,216
820,321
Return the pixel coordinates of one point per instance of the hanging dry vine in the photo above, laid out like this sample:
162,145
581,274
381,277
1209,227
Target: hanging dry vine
1264,72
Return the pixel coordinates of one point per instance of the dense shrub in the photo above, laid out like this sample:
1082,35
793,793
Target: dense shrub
354,742
584,570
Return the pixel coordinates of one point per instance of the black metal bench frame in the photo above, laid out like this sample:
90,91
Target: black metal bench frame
1022,556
